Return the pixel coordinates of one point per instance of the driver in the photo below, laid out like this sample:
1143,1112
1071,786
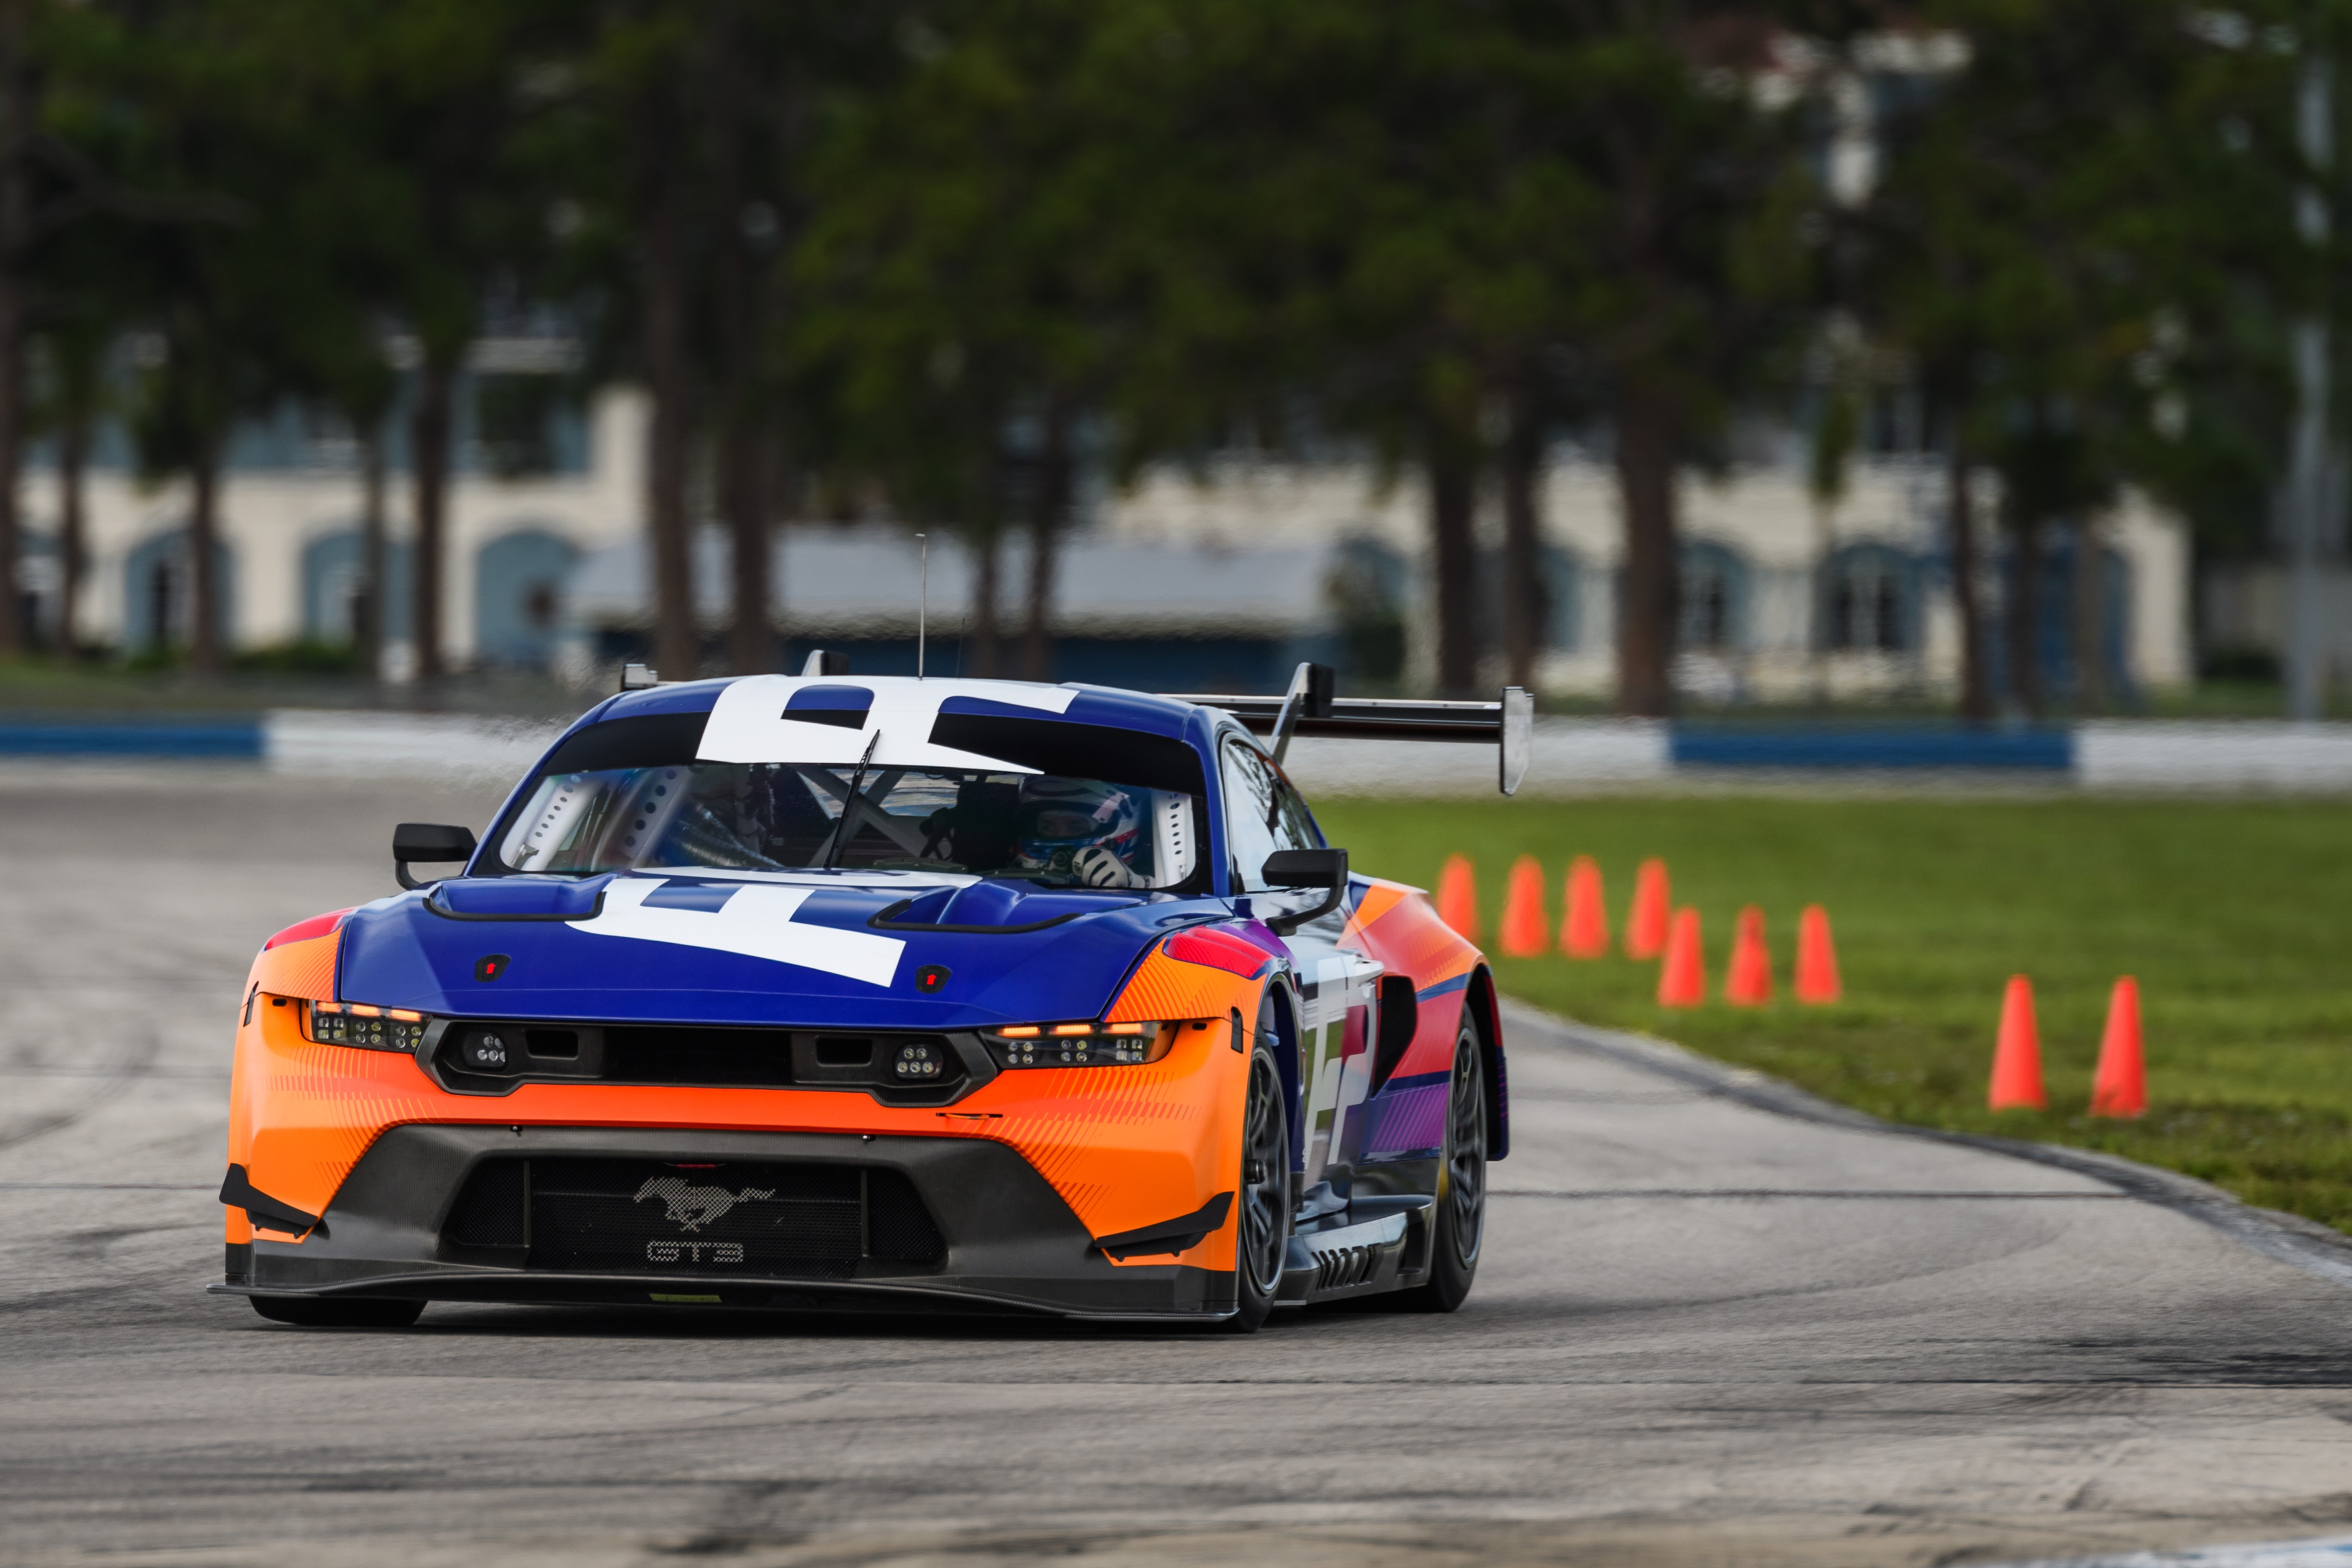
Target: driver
1081,828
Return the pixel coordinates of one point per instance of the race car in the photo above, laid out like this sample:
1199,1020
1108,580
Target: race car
881,994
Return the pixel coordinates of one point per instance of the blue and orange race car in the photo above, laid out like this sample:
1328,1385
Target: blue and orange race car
881,994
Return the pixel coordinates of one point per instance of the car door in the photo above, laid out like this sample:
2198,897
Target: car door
1337,985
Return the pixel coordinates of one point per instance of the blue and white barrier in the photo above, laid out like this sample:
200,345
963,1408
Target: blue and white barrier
1572,756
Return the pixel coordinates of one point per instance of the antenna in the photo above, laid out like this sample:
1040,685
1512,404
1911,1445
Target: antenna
922,601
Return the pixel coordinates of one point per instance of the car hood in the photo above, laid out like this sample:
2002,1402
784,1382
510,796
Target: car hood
852,950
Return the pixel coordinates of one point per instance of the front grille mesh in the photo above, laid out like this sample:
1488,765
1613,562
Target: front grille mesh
491,1212
743,1218
898,1225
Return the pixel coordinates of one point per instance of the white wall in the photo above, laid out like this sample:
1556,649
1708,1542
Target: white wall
1766,515
268,518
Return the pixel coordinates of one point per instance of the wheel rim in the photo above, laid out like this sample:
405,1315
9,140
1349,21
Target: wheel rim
1466,1153
1265,1177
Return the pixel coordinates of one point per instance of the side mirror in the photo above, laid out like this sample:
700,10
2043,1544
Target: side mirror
1325,869
430,843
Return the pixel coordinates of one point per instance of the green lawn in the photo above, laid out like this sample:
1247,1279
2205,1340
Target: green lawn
2232,915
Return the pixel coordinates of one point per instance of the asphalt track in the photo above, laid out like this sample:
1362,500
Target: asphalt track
1704,1333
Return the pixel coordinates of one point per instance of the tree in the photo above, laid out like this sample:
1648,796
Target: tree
445,91
2064,227
977,266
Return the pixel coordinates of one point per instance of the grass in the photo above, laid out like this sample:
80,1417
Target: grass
2231,914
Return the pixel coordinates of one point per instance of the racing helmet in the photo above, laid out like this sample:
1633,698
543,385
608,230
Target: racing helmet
1059,816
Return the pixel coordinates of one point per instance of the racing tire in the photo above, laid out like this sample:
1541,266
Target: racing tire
328,1313
1262,1225
1460,1227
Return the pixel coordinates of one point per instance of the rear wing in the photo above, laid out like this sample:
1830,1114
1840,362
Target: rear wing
1309,708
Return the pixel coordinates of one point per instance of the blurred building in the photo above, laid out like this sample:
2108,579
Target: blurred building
1175,616
542,477
1782,598
1210,576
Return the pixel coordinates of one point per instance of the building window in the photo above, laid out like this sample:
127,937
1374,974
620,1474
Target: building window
1870,601
1714,598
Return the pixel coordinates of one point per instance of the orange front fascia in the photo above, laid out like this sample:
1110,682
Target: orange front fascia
1396,925
1125,1146
297,971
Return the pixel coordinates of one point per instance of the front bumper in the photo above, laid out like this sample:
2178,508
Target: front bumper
421,1216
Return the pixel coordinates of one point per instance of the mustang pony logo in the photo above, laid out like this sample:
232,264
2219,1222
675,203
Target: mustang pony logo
695,1207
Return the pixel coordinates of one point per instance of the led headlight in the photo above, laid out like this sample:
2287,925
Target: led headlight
497,1048
1078,1044
918,1060
369,1029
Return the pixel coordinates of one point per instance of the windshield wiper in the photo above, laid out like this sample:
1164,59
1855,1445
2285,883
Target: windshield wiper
847,827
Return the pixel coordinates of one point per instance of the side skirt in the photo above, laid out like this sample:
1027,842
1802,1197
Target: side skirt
1376,1244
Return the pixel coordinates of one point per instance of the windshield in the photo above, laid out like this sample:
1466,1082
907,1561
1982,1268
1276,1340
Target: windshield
784,816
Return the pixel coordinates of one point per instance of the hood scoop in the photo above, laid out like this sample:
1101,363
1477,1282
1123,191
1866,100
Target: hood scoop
999,908
517,898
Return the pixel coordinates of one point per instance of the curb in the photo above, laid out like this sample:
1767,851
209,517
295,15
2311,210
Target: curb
2286,1238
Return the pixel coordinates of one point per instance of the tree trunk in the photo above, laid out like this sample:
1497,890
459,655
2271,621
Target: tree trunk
746,491
1526,600
368,623
16,119
73,529
1453,516
203,564
745,467
1051,510
429,436
987,585
1650,601
2089,619
1975,690
2025,616
677,639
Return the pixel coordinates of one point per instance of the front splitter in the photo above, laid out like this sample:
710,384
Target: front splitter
755,1295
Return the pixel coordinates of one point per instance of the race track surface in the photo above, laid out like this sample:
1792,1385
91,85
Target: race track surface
1704,1333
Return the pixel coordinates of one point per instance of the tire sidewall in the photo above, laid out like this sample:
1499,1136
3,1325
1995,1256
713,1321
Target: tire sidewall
1254,1303
1450,1275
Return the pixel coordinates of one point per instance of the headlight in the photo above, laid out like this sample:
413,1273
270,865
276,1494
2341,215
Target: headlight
1078,1044
367,1028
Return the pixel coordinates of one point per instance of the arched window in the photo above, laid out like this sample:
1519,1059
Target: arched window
1562,578
331,589
158,596
519,582
1869,600
1714,598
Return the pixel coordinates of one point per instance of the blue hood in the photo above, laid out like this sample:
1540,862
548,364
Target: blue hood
725,948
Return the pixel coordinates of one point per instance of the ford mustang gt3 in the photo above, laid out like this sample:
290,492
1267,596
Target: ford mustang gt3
881,994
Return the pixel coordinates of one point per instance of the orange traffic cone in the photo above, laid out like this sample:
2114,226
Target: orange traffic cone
1584,928
2121,1087
1682,978
1817,971
1748,982
1526,933
1457,896
1645,926
2017,1057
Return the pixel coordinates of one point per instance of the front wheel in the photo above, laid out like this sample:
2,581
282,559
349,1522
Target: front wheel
1460,1227
333,1312
1262,1239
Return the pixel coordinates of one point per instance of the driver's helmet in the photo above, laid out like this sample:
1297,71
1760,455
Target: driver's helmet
1059,816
